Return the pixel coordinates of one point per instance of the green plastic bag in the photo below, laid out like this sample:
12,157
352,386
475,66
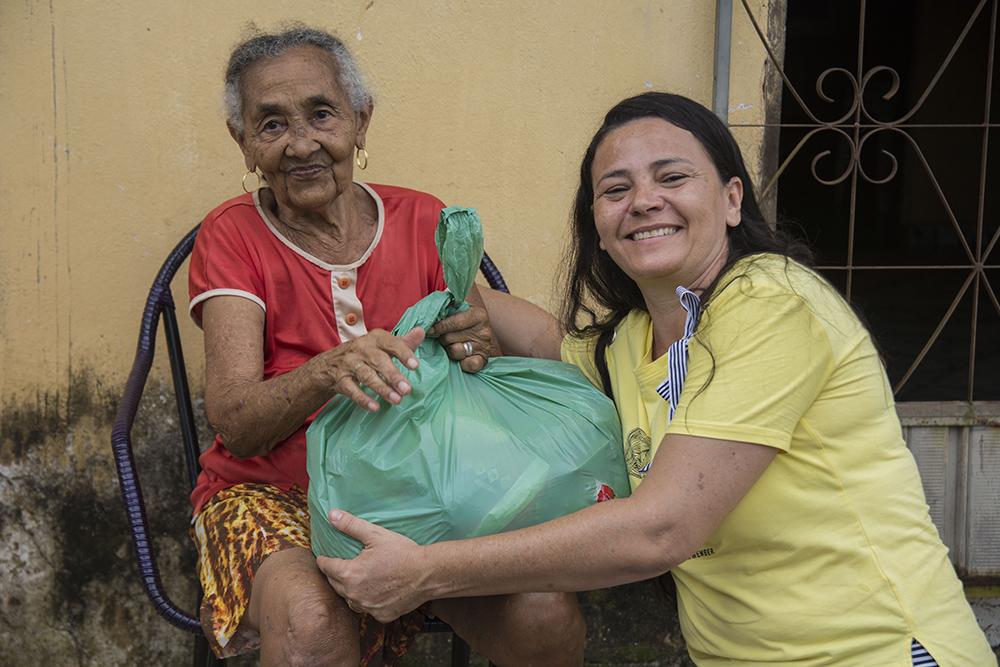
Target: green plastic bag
521,442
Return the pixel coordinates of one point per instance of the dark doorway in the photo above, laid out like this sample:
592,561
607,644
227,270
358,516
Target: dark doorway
919,197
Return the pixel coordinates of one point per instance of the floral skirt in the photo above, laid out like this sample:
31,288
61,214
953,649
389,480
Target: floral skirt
240,527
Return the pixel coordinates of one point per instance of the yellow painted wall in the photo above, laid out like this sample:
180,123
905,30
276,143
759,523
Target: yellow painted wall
113,145
114,142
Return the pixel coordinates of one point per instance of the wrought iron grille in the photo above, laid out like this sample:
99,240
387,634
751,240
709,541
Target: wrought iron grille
884,159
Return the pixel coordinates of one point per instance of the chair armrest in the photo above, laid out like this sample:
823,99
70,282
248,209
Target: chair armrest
492,274
121,439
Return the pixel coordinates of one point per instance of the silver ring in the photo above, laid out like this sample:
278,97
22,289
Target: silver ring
467,346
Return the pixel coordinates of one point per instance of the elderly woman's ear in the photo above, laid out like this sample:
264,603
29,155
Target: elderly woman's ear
364,118
238,138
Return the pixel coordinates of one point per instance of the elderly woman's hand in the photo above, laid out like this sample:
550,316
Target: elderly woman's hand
367,362
468,338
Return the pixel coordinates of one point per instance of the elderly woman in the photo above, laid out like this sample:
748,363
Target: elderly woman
769,470
294,286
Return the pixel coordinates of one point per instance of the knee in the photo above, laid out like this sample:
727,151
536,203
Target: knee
319,633
552,628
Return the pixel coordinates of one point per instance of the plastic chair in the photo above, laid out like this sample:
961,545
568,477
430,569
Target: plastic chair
160,302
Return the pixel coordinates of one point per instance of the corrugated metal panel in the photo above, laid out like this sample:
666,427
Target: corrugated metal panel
957,448
934,450
984,502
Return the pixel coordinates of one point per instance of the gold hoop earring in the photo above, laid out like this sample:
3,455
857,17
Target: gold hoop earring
260,180
361,158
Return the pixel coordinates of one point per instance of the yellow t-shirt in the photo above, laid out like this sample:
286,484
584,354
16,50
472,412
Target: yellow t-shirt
831,558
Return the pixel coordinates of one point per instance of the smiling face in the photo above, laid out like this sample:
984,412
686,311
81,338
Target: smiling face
660,208
299,128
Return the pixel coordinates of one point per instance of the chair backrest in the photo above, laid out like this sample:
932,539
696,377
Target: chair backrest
160,302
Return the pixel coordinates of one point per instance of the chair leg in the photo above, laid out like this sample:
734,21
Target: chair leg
203,656
459,652
201,651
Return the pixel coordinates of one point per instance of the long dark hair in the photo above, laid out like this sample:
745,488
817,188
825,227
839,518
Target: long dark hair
599,295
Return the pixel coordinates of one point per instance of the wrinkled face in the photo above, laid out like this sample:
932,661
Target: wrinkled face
299,128
660,207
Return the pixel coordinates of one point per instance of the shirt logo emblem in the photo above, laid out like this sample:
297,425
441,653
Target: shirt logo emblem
637,447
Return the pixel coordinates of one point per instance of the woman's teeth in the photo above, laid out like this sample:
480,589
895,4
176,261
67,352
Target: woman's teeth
652,233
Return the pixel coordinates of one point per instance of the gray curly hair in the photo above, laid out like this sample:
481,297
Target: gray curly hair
265,45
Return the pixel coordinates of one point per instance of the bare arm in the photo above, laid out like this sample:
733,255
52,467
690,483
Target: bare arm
693,484
519,327
252,415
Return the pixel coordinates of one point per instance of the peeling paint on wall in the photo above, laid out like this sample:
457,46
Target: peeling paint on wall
72,594
71,591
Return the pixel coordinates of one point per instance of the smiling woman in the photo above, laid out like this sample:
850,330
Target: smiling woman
301,131
660,207
768,468
295,285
